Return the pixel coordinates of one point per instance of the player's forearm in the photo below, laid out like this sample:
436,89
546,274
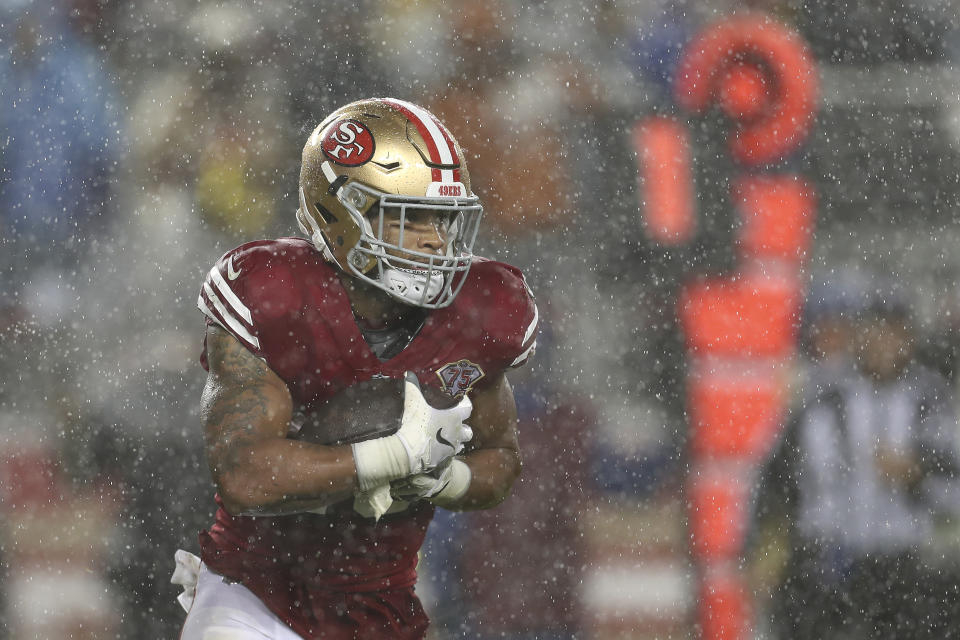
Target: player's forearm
278,475
492,474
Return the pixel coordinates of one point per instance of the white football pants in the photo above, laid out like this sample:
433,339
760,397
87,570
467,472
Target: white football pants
223,610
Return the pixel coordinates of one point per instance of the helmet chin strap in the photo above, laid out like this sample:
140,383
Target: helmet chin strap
409,285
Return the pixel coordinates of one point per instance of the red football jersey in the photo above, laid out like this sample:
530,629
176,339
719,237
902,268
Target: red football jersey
282,301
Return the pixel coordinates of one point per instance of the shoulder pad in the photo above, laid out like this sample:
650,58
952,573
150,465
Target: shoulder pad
253,285
510,313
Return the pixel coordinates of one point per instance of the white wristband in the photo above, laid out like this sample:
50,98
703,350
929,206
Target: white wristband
379,461
460,477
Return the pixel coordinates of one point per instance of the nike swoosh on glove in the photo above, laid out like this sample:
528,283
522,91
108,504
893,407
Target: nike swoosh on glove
431,436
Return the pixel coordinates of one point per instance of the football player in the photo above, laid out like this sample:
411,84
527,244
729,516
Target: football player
321,353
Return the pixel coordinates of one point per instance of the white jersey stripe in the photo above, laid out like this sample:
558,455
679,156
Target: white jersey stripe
526,354
533,325
210,314
235,326
230,296
446,156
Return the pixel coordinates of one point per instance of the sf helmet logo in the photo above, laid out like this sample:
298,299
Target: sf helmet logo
348,143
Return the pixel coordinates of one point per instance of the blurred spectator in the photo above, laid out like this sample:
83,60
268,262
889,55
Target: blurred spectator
864,468
58,536
655,50
505,111
59,130
829,326
219,128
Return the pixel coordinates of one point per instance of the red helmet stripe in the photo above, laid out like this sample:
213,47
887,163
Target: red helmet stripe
439,143
448,139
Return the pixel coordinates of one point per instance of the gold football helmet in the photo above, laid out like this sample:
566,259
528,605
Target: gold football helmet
378,158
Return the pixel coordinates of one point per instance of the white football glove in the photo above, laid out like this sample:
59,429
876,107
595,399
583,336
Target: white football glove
427,438
431,436
447,483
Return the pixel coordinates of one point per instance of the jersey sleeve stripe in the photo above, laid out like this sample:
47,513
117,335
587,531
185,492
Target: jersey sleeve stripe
210,314
533,325
233,324
520,359
230,296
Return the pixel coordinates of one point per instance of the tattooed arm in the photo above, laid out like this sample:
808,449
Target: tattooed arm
246,410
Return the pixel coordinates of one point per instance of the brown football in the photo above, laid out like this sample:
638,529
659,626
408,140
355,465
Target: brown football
363,411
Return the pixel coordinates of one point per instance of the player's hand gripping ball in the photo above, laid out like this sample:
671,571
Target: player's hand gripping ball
431,436
422,485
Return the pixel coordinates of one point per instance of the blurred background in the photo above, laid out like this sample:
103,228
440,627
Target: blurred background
707,196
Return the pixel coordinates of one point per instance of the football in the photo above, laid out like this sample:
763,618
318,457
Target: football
365,410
